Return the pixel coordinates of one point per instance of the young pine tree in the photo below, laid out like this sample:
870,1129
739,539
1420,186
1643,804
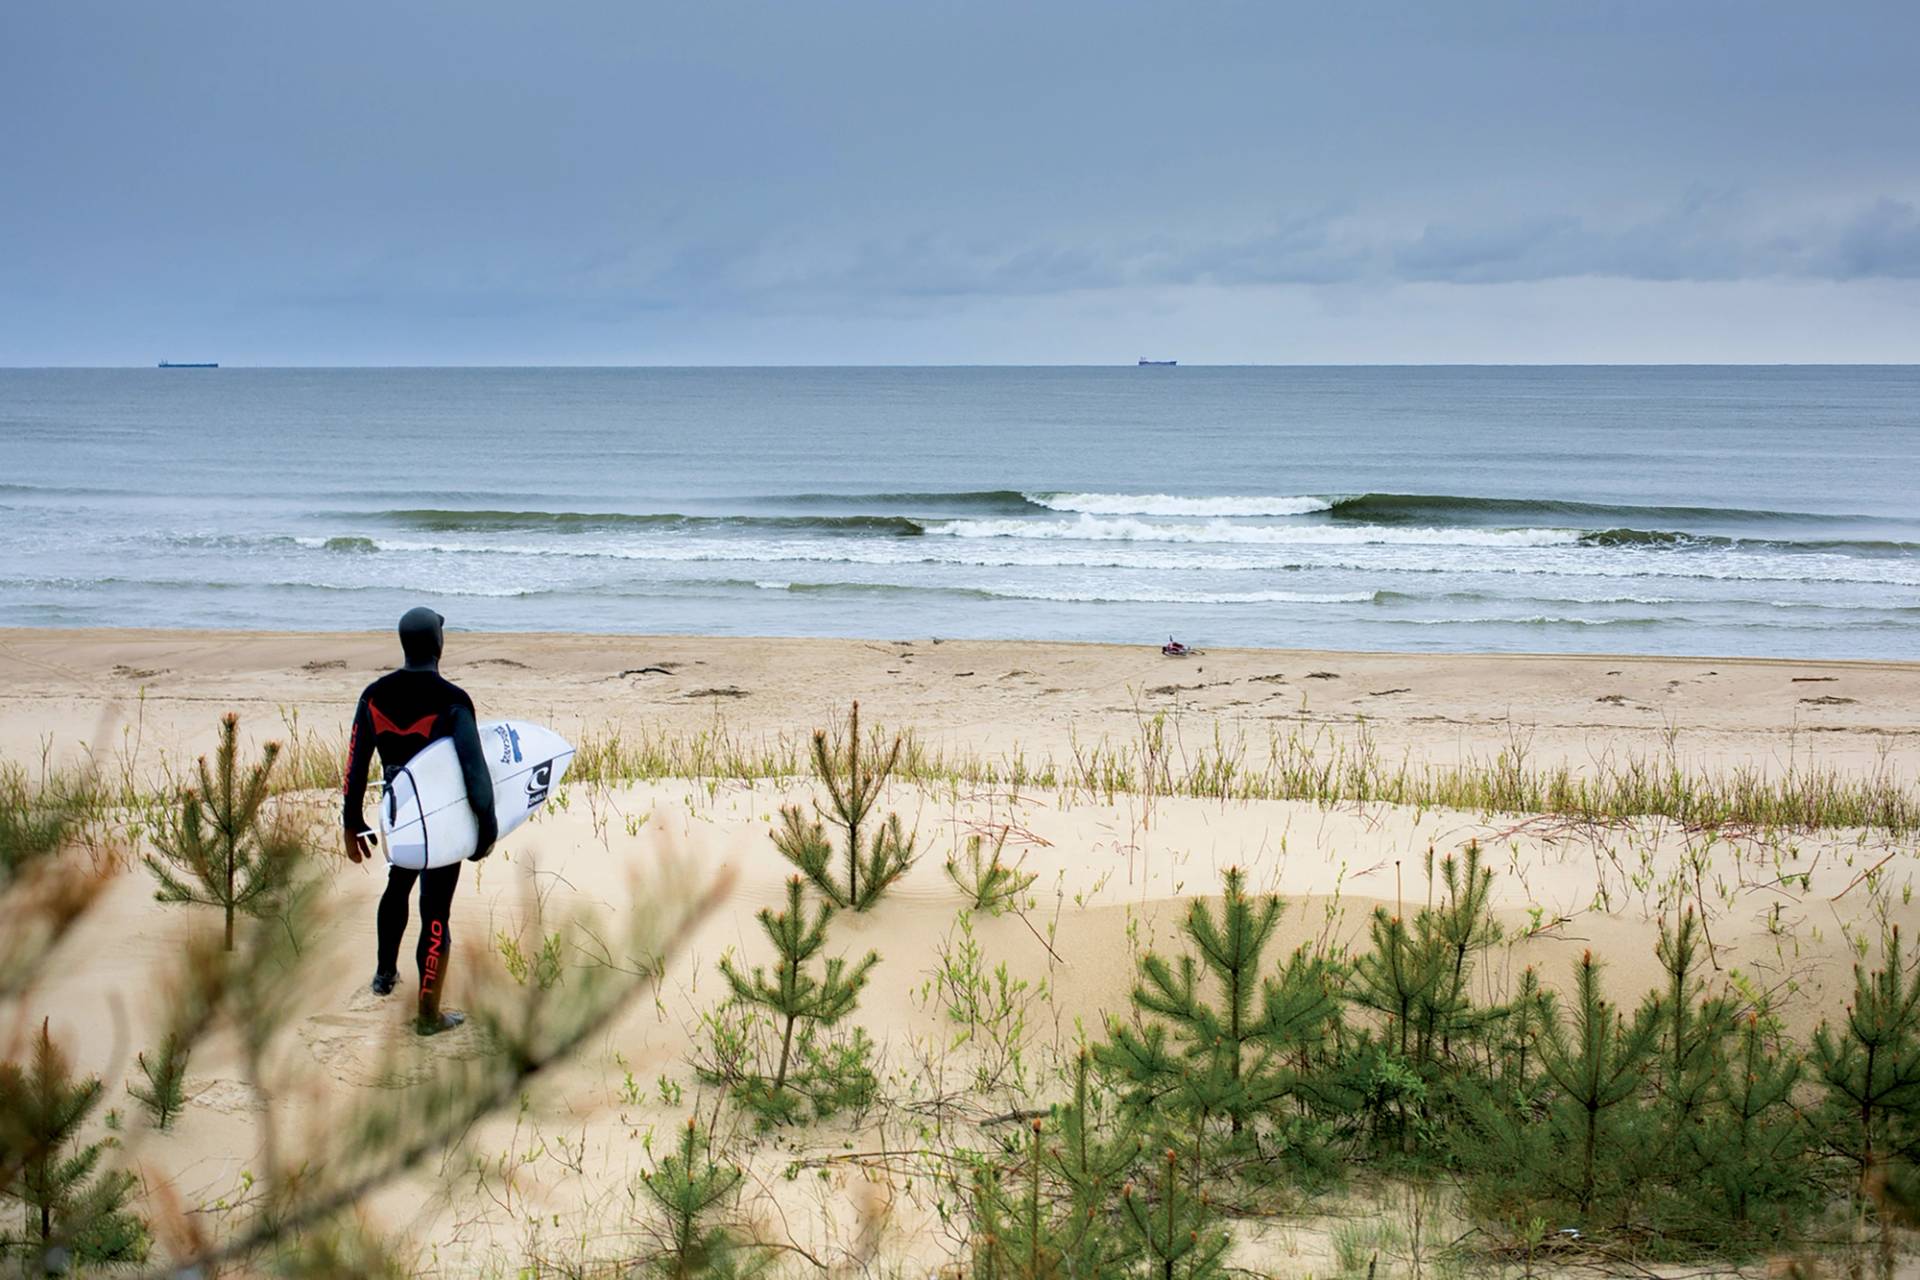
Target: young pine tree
854,780
1596,1066
215,849
1871,1071
1400,978
686,1187
1419,979
1461,929
51,1172
1754,1140
1089,1158
1174,1226
1693,1026
790,991
990,885
163,1095
1234,1042
1049,1216
1688,1064
1016,1235
1524,1021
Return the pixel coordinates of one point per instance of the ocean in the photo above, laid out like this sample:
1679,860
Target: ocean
1718,511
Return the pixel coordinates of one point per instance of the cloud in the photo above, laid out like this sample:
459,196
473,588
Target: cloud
1704,238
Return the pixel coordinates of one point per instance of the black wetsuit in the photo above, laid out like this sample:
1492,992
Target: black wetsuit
400,713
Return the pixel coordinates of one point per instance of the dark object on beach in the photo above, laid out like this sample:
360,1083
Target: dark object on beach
1323,675
1174,649
1146,363
188,364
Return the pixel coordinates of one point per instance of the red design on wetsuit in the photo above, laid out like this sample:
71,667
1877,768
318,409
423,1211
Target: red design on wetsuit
430,967
423,726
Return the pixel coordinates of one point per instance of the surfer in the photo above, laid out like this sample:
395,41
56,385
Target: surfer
399,714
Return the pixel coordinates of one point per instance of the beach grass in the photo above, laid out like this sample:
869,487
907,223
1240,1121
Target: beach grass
1321,765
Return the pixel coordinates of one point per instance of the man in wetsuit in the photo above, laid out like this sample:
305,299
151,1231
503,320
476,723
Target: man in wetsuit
399,714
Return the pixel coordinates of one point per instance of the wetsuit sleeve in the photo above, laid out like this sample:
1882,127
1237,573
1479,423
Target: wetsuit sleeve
473,769
359,760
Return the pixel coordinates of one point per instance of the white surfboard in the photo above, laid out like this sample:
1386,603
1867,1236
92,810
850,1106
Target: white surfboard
424,814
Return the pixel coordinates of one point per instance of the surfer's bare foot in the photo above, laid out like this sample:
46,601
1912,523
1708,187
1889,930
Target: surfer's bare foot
446,1020
382,983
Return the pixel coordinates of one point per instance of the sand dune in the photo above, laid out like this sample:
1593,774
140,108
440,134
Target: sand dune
1111,881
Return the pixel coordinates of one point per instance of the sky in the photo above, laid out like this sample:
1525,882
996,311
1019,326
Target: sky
921,182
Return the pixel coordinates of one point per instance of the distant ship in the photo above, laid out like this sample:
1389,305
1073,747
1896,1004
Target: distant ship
170,364
1145,361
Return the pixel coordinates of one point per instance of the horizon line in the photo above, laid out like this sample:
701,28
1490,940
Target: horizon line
1182,364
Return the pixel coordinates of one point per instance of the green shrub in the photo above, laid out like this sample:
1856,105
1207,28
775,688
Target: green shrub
854,780
799,1004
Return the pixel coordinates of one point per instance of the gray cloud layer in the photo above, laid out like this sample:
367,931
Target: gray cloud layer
443,176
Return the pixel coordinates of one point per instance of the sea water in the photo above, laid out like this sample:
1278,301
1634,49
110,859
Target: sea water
1737,511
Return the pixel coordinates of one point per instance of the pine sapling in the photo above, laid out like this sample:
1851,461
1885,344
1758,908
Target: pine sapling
854,780
1174,1225
1870,1071
45,1165
1015,1236
1596,1065
1403,977
1049,1215
990,884
215,849
790,991
1235,1023
687,1187
1400,978
1693,1025
163,1095
1090,1157
1870,1065
1462,927
1755,1138
1524,1021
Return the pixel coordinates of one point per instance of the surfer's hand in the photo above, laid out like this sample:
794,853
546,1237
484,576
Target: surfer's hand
482,852
354,852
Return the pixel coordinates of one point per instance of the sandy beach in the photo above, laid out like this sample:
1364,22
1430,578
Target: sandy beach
986,696
1785,914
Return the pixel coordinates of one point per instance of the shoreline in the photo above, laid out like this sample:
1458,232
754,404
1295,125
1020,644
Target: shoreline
987,696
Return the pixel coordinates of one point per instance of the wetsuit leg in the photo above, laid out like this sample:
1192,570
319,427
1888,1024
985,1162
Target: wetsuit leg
436,934
392,918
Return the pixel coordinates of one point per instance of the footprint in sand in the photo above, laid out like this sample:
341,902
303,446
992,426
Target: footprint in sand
228,1097
372,1045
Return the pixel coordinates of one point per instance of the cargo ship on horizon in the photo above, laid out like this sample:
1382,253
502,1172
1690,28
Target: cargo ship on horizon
189,364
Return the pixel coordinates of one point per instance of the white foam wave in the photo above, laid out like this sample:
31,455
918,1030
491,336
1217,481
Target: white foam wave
1168,504
1187,597
1091,529
1604,564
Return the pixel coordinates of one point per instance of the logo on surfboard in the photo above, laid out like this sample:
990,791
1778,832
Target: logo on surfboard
509,743
538,782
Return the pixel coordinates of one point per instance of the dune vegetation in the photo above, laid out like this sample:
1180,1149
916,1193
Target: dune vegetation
1417,1093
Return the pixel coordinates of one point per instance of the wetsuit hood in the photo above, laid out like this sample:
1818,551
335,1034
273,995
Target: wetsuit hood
421,638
